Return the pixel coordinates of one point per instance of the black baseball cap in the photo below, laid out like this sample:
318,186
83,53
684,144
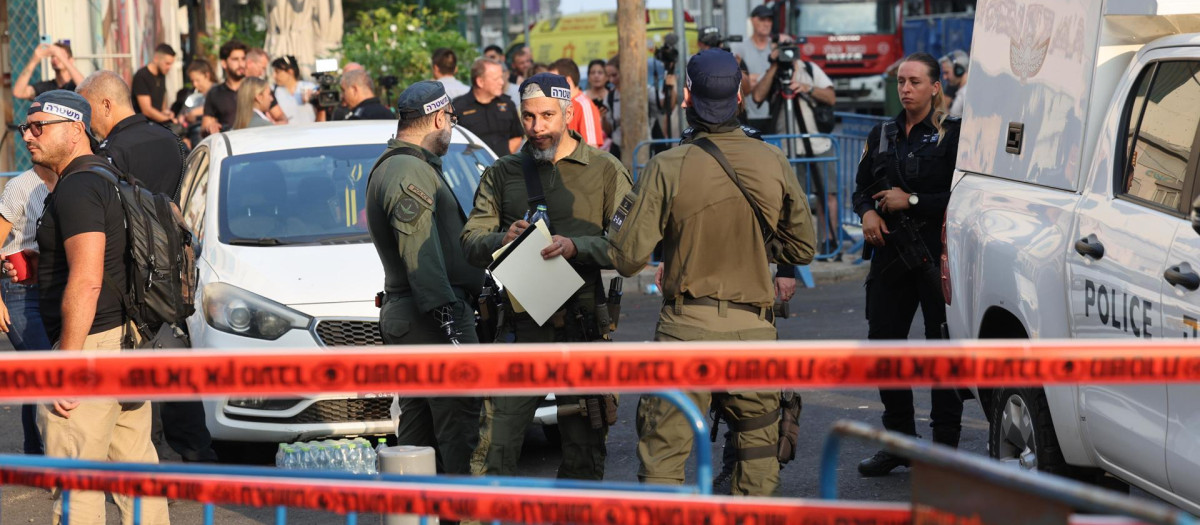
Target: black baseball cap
710,36
420,99
762,11
545,85
714,78
66,104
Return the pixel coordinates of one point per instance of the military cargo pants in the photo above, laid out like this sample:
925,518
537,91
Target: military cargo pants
448,424
505,420
664,433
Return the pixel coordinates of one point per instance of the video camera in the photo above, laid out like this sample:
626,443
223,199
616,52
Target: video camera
668,52
785,61
711,37
328,92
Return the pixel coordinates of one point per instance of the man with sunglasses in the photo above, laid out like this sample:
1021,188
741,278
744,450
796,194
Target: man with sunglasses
429,288
83,223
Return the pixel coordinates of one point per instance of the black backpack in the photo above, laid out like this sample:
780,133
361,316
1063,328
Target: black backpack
160,262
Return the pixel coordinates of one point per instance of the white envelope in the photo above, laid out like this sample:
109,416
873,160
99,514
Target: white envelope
541,286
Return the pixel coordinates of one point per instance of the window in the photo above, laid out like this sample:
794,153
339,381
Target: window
318,195
1161,139
194,193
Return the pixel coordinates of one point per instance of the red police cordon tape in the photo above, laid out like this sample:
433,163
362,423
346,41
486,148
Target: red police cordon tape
596,367
597,507
532,506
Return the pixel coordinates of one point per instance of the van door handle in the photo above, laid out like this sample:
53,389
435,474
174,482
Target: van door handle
1182,275
1090,246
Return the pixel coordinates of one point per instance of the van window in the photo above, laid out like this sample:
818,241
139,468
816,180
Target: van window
1157,170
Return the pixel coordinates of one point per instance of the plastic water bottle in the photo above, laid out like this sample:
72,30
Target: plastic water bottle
379,454
281,455
539,213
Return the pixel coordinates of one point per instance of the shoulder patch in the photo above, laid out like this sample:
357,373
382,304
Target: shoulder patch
408,209
618,218
752,132
419,193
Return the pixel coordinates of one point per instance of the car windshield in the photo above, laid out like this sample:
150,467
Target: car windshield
317,195
839,17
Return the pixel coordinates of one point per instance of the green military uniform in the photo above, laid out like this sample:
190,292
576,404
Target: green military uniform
716,283
581,193
415,220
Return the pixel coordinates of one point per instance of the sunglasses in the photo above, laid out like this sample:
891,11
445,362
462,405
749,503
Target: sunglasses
35,126
453,118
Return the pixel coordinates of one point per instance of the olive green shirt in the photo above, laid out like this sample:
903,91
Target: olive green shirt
582,190
414,221
712,246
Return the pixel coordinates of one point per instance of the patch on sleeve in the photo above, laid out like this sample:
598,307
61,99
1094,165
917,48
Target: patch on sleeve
408,209
618,218
420,194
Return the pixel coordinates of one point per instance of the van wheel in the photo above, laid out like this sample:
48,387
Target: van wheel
1021,432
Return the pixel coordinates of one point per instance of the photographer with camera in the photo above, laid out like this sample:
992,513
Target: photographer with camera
902,187
358,92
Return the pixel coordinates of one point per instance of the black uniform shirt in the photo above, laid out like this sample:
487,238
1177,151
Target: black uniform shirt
147,83
925,157
82,202
371,109
147,151
51,85
495,123
221,104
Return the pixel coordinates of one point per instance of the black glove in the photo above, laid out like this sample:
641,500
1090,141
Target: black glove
444,317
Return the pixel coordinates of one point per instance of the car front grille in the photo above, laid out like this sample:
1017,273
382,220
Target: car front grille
349,333
332,411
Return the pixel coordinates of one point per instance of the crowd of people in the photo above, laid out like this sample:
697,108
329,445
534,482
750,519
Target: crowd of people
556,133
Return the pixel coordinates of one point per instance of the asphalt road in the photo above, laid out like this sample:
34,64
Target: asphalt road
831,311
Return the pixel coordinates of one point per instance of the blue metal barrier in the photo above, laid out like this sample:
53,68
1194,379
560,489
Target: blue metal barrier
1003,494
702,449
839,223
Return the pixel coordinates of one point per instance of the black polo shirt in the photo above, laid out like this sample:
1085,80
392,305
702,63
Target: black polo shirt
82,202
51,85
495,123
371,109
221,103
147,151
147,83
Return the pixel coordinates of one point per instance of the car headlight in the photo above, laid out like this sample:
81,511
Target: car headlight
234,310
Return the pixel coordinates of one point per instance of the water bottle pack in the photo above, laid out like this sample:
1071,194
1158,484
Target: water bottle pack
354,456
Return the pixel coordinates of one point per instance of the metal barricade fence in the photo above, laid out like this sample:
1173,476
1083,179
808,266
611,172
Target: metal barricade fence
697,420
831,192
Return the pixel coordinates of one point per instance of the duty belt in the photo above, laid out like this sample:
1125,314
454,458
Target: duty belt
718,303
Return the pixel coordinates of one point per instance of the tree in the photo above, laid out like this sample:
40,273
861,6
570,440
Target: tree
352,8
400,43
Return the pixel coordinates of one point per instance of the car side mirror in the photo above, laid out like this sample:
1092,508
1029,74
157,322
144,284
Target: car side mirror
1195,215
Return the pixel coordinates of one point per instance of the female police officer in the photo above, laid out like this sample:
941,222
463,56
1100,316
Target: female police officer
902,187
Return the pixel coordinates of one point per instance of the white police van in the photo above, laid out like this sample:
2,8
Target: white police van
1069,217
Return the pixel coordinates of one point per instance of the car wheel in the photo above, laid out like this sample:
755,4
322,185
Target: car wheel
1021,432
245,452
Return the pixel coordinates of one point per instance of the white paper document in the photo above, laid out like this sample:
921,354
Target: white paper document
541,286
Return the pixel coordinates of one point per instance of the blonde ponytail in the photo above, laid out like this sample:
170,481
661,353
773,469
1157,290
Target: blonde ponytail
940,112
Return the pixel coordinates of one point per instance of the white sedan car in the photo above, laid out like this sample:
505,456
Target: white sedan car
286,262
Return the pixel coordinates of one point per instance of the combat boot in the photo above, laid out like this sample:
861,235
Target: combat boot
881,464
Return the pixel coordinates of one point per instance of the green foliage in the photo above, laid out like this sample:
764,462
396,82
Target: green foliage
227,31
400,43
352,8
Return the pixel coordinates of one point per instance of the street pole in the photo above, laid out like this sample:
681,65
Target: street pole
525,24
706,13
680,66
504,7
479,24
631,35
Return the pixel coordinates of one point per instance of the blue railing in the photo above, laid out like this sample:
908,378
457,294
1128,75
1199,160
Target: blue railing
697,420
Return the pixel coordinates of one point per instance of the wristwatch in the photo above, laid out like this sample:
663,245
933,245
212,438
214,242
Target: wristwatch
912,199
